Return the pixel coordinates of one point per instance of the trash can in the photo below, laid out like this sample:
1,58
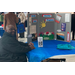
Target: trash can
29,38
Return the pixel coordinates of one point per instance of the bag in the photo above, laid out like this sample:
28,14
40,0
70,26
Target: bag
20,28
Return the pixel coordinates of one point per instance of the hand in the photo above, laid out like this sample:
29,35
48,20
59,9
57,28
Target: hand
32,47
31,44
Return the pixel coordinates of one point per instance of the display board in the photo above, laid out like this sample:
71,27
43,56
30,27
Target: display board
50,26
63,27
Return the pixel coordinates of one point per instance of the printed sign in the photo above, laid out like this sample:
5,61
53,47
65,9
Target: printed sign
60,36
58,18
67,17
34,15
34,21
63,26
32,29
68,37
49,19
46,15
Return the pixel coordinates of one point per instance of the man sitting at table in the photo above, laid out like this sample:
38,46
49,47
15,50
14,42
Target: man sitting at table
11,50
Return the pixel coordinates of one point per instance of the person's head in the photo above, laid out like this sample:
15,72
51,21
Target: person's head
11,30
19,12
74,12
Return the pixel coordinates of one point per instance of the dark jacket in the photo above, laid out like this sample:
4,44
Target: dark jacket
73,22
11,50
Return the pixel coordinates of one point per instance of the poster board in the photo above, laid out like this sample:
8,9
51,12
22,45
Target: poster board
46,23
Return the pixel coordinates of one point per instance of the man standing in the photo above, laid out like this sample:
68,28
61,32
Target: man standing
10,19
21,15
11,50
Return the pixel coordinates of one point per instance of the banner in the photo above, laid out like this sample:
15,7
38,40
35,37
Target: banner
49,19
46,15
68,37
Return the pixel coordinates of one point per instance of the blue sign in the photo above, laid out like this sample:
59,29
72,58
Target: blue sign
33,16
48,20
63,27
46,15
34,21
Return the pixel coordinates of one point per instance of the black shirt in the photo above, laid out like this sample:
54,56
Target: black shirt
12,50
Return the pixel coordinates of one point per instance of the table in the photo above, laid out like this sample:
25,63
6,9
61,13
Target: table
1,31
48,50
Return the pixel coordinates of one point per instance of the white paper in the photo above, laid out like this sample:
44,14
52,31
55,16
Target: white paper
30,19
67,17
58,18
32,29
58,30
29,24
40,41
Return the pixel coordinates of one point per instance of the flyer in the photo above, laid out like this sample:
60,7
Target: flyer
32,29
67,17
58,18
63,27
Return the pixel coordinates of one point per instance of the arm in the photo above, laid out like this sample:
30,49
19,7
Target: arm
15,47
24,44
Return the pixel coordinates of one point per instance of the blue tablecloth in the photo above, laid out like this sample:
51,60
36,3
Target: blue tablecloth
48,50
1,31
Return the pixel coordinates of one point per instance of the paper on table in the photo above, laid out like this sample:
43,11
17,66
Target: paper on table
32,29
67,17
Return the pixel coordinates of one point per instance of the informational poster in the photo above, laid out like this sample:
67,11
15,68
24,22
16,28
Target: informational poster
32,29
67,17
58,18
63,27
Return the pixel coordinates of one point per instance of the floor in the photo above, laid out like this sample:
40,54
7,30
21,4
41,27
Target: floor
69,58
